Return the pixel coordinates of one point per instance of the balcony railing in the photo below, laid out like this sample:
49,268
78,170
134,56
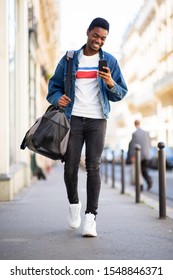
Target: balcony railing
166,81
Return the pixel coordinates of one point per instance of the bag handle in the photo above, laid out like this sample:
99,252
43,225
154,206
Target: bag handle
69,56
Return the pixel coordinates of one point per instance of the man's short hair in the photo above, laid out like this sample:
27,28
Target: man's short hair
99,22
136,122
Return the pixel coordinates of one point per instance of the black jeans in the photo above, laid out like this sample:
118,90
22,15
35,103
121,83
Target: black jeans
92,133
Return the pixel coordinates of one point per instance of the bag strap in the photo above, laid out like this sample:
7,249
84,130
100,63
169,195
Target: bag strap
69,56
23,144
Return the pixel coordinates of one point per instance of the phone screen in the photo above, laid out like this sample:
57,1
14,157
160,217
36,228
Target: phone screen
102,63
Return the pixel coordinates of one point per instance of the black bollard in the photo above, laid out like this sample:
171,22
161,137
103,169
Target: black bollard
162,182
106,169
122,172
113,169
137,171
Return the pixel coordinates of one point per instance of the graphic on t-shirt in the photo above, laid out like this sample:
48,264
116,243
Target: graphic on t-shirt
87,72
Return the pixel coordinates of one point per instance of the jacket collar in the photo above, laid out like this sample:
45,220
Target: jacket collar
101,52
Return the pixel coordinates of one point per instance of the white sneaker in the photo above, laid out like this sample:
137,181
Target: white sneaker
89,229
74,218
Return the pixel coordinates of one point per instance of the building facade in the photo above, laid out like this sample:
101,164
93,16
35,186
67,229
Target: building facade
29,40
147,62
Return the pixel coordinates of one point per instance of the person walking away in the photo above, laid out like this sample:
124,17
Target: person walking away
142,138
87,108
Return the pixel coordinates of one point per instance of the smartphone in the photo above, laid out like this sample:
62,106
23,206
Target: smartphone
102,63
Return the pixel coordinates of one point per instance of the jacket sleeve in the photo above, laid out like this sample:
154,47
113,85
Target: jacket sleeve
56,86
119,90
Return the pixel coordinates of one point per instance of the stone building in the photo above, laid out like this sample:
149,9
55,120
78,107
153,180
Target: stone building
147,63
29,50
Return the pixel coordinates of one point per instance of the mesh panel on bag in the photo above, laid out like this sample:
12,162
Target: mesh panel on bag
50,136
55,133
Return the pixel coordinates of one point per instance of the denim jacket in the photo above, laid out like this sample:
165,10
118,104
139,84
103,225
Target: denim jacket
57,83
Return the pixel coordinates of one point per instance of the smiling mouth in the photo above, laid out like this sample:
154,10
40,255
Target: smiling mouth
96,46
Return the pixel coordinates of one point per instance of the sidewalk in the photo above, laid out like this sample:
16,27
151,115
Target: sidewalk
34,226
148,198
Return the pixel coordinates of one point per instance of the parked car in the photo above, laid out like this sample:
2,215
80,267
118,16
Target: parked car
154,158
109,153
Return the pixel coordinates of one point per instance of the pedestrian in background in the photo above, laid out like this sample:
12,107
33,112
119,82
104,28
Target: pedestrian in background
88,109
142,138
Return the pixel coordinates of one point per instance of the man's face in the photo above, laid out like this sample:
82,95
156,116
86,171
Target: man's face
96,38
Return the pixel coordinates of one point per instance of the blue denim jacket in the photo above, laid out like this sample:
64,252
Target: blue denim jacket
57,83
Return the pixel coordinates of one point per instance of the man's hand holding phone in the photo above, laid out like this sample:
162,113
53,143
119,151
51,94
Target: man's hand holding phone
104,73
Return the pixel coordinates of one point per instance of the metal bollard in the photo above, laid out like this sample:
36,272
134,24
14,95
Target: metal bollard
137,171
122,172
162,182
113,169
106,169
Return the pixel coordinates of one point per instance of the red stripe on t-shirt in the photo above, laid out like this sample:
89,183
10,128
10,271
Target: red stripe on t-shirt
86,74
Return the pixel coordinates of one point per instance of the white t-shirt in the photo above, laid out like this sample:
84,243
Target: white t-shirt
87,101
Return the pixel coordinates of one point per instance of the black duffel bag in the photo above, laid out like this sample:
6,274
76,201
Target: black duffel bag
49,135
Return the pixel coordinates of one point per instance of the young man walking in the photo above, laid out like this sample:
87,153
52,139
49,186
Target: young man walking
88,108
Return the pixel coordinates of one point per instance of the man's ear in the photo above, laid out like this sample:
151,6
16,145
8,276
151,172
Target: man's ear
87,32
